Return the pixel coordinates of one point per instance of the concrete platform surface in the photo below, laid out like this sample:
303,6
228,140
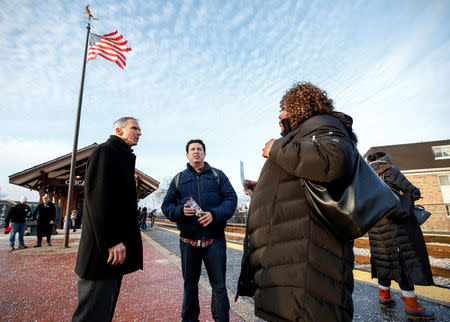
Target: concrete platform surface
39,284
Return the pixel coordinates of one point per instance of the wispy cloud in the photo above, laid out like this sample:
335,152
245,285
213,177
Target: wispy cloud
217,70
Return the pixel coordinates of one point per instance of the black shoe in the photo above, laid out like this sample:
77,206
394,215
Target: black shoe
49,244
22,247
37,246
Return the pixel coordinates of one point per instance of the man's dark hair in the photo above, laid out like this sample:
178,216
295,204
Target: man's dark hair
195,141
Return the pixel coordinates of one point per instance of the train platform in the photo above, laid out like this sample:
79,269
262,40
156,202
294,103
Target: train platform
39,284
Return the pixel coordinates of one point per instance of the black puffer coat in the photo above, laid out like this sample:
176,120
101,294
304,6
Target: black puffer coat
292,265
396,243
109,215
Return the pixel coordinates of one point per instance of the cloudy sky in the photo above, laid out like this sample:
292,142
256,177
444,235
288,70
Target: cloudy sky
217,70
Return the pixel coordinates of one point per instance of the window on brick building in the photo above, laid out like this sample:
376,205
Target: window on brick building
441,152
444,180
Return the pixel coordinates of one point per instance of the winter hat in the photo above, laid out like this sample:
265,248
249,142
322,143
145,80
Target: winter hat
379,156
23,199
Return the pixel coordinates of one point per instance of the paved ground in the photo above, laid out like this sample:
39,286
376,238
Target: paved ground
39,284
365,295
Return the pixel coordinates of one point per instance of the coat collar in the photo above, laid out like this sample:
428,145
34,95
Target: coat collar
119,143
206,167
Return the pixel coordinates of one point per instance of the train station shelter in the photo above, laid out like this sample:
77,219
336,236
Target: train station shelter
52,178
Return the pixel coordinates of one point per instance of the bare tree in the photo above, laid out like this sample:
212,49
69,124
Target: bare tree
160,193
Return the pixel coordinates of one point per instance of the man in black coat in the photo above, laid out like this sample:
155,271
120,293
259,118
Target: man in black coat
110,244
44,215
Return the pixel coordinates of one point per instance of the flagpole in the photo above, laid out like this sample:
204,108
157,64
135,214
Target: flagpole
75,144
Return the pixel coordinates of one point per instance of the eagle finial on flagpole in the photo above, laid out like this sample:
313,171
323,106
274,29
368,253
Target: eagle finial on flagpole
89,13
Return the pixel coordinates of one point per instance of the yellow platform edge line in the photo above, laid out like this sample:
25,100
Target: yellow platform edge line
432,292
437,293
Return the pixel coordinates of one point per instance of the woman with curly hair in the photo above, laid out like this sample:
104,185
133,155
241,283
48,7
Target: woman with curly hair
293,266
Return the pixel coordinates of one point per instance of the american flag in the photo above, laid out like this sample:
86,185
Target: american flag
110,46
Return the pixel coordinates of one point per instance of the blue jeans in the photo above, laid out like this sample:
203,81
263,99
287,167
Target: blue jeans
17,227
215,259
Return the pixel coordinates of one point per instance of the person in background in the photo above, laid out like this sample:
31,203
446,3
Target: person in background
152,217
17,215
397,247
44,215
293,265
111,243
202,237
73,218
139,216
144,218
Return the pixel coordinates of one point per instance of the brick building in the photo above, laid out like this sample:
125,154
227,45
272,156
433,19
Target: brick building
427,166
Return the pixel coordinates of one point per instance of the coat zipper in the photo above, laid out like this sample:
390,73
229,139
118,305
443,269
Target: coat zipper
315,137
198,191
200,202
269,242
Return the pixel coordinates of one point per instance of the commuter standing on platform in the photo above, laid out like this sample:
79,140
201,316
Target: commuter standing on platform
110,244
18,215
293,265
397,247
144,218
44,215
73,218
202,236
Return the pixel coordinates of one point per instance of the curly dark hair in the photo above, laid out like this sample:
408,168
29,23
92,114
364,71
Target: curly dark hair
303,100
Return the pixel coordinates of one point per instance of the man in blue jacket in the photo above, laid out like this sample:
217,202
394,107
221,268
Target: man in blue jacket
202,236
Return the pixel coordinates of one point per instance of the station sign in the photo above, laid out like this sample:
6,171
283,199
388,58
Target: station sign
76,182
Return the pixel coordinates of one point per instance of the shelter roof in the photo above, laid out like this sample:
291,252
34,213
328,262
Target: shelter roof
57,171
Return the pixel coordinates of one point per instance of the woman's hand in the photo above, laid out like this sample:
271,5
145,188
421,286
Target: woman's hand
250,185
267,148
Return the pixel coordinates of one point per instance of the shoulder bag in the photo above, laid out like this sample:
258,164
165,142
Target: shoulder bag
351,213
421,214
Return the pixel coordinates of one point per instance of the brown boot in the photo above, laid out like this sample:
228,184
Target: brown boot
414,311
385,298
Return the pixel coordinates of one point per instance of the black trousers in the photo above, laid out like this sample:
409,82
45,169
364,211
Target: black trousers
96,299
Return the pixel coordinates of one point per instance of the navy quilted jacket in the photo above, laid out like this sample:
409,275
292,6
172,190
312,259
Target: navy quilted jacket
217,197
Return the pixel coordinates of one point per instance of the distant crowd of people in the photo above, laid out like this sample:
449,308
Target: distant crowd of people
43,215
142,217
293,266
